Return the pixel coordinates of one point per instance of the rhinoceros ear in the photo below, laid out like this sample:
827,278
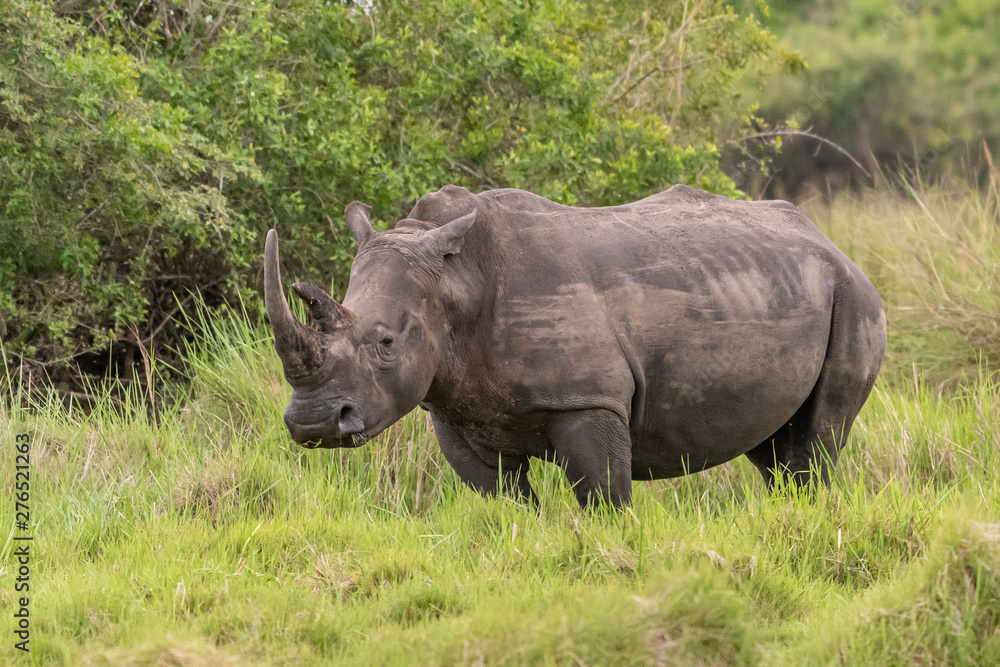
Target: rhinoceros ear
449,237
358,218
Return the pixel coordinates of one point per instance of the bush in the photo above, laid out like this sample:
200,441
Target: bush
104,192
145,148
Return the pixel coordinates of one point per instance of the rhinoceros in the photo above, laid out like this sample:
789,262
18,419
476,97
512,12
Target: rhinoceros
632,342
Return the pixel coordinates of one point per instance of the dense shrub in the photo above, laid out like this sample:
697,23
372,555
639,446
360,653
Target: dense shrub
104,192
145,147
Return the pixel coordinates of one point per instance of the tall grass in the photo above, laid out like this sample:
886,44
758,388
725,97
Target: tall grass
933,253
207,537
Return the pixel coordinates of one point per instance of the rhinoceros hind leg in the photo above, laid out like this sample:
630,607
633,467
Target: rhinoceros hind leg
810,443
595,449
799,451
508,474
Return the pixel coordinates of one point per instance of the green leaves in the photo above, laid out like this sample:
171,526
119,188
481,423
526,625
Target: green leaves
145,149
102,187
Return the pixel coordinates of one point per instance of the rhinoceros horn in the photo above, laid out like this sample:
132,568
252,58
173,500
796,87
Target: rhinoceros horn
329,314
299,346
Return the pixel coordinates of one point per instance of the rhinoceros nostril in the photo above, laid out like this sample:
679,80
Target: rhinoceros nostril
349,421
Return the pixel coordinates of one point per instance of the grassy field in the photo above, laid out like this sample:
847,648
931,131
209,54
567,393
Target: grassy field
206,537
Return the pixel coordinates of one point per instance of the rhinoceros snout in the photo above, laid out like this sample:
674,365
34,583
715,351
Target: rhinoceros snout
341,422
294,430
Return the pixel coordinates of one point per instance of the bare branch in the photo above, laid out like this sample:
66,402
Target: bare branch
481,176
801,133
653,71
36,81
166,320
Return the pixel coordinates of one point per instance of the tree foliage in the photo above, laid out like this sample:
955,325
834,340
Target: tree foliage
103,190
912,81
145,147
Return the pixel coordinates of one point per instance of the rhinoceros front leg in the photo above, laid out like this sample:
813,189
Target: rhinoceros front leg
595,448
506,473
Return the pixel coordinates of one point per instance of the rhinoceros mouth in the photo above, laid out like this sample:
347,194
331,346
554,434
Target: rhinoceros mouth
314,427
344,441
351,441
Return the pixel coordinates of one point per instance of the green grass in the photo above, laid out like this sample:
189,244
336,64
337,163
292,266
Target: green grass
208,537
933,253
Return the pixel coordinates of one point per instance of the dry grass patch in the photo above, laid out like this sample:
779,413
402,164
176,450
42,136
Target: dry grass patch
183,654
206,491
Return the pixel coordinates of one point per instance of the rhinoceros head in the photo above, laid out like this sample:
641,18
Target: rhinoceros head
371,360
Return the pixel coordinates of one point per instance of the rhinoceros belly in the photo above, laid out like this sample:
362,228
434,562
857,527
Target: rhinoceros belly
719,374
721,390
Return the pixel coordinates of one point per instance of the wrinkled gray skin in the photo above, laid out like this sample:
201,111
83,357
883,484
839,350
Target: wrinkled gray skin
632,342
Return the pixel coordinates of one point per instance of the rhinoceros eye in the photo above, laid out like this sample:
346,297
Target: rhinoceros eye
384,350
